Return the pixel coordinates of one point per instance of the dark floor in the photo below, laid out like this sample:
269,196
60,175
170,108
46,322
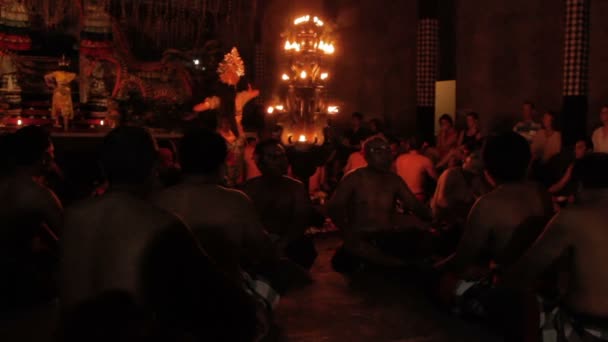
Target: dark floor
377,310
332,309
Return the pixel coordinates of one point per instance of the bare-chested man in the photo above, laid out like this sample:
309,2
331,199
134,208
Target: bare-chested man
224,220
415,169
282,203
365,203
31,219
504,222
578,236
120,242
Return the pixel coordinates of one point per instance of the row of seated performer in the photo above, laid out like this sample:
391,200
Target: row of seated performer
199,261
528,272
194,261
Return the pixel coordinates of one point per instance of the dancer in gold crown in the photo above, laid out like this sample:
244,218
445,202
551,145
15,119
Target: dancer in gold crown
60,81
230,105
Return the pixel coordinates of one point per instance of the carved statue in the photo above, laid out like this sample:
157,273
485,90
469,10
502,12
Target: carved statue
60,81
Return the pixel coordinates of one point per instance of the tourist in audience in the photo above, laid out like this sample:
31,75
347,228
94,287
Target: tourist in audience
31,219
576,240
502,223
547,142
527,128
364,207
447,139
469,140
415,169
120,242
223,220
565,184
457,190
375,127
356,134
600,135
282,203
355,161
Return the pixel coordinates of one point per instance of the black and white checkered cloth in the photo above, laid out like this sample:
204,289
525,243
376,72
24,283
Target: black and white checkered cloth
260,60
426,61
576,52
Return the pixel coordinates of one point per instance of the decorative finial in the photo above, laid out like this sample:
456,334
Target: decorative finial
232,62
64,62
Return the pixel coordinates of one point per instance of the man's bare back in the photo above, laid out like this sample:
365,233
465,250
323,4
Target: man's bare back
578,232
371,199
282,203
220,216
502,224
414,169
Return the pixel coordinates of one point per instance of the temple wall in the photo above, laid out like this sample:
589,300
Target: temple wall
598,72
508,51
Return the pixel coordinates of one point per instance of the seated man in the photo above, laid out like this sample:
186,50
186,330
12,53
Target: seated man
503,223
223,220
564,190
414,168
31,219
120,242
282,203
365,207
577,234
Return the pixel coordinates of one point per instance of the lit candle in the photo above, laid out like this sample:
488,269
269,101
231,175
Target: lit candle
302,138
324,76
19,122
101,123
303,74
270,110
279,107
332,109
285,77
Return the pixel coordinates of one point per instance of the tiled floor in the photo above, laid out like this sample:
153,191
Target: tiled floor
376,310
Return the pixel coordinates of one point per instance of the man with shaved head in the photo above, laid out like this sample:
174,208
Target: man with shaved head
366,206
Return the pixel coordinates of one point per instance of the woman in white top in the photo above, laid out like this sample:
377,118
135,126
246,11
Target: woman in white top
600,135
547,142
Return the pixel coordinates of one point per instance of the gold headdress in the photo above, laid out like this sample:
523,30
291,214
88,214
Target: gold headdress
232,62
64,62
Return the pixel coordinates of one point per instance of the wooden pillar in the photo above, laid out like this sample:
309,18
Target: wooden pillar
427,45
575,77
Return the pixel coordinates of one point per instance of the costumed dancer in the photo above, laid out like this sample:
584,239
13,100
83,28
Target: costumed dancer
230,105
60,81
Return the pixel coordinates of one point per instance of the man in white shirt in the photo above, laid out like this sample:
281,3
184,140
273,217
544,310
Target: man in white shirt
600,135
527,128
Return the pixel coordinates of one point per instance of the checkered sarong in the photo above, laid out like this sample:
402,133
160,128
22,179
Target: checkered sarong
558,325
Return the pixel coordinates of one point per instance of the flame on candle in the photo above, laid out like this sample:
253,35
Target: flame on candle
279,107
19,122
302,138
101,123
303,74
324,76
332,109
270,110
300,20
285,77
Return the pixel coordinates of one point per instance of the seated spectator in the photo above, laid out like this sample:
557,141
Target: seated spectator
502,223
282,203
223,220
120,242
415,169
447,139
470,138
355,161
575,239
364,207
547,142
527,128
457,190
31,219
600,135
565,186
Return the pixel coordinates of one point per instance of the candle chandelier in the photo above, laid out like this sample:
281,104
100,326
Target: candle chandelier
308,52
